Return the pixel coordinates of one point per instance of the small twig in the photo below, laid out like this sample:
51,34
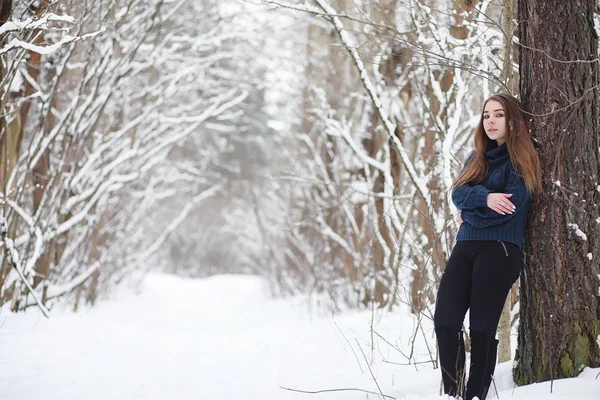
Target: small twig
336,390
349,344
413,338
392,345
495,388
9,248
427,344
39,303
406,364
372,330
370,370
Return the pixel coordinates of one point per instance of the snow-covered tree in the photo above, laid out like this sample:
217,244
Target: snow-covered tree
97,109
393,90
559,327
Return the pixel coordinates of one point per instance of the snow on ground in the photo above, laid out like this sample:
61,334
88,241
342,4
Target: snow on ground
223,338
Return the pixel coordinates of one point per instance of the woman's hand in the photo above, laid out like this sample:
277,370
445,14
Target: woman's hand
459,218
500,203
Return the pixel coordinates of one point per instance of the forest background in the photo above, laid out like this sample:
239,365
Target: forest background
313,143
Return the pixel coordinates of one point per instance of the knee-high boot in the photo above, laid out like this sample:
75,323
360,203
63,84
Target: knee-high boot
452,360
483,363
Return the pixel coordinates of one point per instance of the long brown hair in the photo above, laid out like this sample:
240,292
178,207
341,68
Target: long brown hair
523,155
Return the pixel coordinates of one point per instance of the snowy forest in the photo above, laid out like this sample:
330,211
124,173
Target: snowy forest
311,143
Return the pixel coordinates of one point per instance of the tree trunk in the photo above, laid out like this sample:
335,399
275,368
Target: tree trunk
7,133
560,308
382,11
504,326
511,79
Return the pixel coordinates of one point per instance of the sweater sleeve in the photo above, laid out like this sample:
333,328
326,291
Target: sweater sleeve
483,217
470,196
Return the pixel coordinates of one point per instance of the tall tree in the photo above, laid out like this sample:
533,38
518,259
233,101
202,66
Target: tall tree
560,308
511,78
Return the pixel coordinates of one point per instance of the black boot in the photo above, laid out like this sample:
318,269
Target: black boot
483,363
452,360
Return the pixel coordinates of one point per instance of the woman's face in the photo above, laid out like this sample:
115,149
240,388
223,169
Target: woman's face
494,121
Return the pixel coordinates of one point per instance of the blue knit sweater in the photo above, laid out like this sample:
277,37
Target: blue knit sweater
480,221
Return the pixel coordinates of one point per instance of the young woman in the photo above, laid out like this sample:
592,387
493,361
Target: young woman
492,194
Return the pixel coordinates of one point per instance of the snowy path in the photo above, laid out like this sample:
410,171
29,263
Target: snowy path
218,338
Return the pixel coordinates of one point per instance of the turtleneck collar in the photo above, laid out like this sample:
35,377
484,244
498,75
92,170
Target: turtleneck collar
497,152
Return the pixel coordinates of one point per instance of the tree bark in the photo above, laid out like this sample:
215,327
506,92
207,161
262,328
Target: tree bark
40,175
504,353
383,11
511,79
560,307
5,10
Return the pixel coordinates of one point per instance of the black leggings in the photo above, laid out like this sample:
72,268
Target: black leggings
478,276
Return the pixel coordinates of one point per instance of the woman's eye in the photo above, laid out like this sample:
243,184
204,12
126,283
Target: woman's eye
499,115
